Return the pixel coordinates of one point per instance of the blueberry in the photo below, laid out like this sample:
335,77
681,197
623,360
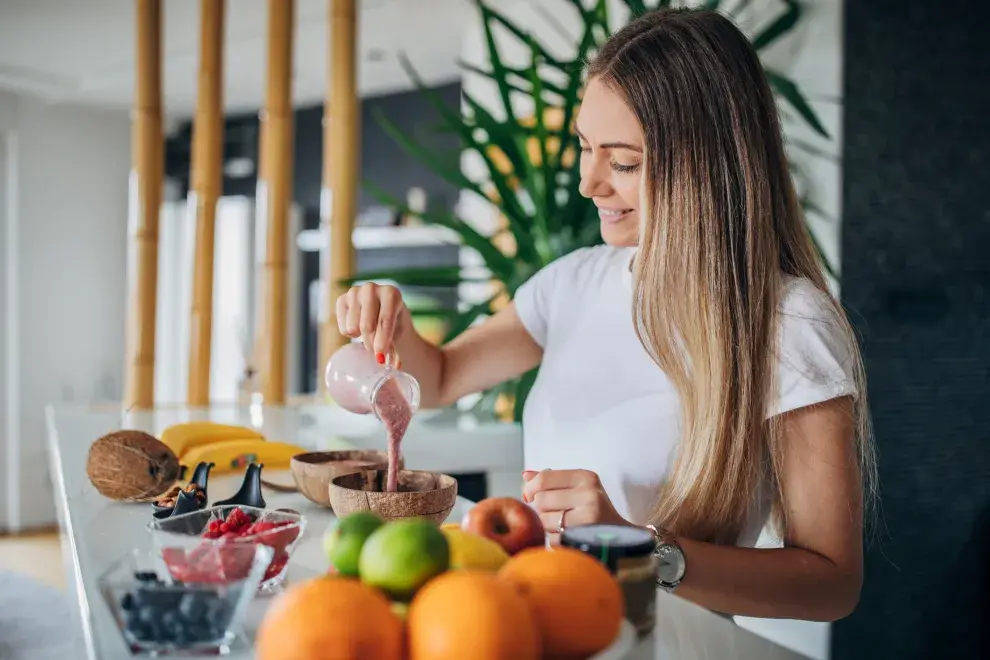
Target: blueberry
192,607
170,619
127,602
137,631
218,610
147,615
173,629
197,633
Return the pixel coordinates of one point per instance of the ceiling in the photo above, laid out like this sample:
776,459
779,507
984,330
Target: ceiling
83,52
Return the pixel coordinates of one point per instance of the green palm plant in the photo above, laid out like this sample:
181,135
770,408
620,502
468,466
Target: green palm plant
531,161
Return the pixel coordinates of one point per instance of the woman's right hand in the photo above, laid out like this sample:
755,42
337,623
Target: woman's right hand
376,314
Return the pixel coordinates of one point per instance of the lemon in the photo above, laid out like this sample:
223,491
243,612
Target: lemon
473,551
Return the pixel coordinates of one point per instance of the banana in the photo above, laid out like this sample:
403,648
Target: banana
180,438
235,455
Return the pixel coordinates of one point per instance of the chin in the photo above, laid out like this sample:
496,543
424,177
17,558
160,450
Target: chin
620,235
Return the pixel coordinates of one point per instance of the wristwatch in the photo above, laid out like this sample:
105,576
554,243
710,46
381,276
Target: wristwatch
670,560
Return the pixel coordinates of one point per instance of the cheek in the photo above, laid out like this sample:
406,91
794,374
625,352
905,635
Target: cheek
626,186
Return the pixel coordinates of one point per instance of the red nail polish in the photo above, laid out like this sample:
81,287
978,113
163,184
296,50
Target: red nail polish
380,357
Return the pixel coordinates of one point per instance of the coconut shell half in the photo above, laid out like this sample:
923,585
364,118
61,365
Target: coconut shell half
131,466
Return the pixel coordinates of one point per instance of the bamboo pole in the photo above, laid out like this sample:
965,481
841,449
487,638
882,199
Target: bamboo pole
341,145
275,197
207,181
147,155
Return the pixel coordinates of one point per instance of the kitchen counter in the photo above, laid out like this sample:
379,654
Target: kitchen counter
97,531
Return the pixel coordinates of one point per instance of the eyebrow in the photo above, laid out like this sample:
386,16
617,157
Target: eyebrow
611,145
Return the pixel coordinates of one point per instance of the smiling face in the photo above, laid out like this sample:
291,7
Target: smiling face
611,162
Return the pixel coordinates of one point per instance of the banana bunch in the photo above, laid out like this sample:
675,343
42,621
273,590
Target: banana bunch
231,448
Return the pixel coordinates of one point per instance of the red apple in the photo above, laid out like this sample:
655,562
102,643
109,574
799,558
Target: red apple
509,522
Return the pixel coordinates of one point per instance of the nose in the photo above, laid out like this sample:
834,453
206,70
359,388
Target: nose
594,177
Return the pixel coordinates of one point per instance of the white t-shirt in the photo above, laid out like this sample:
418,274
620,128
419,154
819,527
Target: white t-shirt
600,403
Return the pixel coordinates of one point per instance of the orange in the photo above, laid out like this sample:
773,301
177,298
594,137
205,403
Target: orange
330,618
471,614
577,603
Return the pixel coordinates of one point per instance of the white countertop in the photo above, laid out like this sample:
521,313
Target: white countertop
97,531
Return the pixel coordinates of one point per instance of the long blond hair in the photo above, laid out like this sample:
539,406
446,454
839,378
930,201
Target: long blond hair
722,227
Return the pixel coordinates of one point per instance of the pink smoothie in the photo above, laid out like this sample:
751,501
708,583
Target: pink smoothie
395,413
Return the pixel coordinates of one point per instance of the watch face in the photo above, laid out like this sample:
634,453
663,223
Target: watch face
671,564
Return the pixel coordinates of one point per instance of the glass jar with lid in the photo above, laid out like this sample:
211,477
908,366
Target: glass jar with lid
628,553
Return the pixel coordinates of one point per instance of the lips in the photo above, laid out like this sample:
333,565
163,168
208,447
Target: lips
612,215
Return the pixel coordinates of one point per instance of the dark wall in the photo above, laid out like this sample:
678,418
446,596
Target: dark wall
915,273
383,162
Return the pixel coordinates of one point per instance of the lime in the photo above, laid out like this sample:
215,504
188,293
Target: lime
400,609
343,542
402,556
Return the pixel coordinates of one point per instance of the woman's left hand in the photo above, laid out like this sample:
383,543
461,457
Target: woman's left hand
574,497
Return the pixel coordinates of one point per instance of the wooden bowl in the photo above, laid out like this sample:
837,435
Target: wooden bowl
428,495
313,471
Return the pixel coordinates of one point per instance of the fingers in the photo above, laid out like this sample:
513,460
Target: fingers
352,323
550,501
342,307
368,316
558,479
370,312
572,518
391,304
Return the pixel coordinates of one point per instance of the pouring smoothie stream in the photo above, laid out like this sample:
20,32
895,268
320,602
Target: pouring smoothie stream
358,383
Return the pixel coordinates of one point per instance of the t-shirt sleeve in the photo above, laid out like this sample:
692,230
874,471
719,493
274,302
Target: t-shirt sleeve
534,299
815,355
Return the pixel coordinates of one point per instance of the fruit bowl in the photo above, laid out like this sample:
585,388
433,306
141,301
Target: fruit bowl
279,530
313,471
159,614
428,495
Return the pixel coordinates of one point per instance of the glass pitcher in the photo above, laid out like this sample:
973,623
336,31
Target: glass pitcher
357,383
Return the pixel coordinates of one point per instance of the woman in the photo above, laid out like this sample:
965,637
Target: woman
695,375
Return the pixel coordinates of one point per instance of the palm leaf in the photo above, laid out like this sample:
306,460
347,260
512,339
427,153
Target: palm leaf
810,207
450,173
466,318
488,13
504,138
517,87
436,276
546,175
501,76
523,387
781,26
789,90
500,265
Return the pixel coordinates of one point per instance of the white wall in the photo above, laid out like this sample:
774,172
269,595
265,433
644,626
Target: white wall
813,56
71,169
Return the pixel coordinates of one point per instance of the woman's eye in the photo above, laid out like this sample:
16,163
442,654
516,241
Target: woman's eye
585,149
625,169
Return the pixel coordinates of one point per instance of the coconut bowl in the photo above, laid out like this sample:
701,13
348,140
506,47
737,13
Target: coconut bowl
428,495
313,471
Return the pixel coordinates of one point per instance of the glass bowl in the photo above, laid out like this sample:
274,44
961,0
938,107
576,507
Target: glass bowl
159,614
280,530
